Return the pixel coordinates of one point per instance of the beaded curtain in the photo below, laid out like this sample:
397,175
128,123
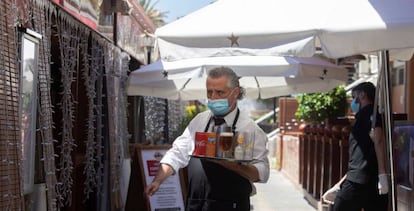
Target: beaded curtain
154,118
92,69
98,56
10,149
42,12
69,36
116,63
176,111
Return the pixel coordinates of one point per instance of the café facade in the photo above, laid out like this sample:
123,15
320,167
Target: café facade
63,104
64,116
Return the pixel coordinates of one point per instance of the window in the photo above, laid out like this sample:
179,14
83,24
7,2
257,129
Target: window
28,104
398,73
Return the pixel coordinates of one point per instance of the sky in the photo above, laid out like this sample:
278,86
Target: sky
179,8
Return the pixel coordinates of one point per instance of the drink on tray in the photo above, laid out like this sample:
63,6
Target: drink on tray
225,143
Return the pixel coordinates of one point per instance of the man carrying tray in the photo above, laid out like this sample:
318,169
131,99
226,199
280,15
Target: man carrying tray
217,185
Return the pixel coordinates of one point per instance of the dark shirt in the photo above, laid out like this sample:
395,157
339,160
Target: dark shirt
363,165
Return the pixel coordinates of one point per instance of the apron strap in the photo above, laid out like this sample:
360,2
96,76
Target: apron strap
233,127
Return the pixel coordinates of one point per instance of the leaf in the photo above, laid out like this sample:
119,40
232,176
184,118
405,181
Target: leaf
317,107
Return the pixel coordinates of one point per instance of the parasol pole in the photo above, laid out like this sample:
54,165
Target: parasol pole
386,90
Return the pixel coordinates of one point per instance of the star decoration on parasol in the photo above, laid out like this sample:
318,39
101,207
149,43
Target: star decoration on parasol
165,73
325,71
233,40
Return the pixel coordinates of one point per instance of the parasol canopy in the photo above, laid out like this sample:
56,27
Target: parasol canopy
290,28
261,76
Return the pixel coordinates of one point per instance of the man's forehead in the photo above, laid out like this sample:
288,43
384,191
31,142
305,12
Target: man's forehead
217,88
219,78
222,81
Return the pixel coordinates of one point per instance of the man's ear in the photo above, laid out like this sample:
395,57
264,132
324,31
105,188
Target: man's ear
362,95
237,93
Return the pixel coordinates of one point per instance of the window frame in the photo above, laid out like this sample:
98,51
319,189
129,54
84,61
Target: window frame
29,50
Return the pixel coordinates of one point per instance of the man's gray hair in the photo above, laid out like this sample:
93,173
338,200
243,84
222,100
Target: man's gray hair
233,79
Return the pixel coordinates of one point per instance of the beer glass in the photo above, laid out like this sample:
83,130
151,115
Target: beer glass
249,139
245,145
225,141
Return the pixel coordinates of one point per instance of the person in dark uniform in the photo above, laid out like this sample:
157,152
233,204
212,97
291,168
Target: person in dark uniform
366,183
217,185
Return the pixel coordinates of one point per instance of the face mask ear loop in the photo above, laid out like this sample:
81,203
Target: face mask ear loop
234,103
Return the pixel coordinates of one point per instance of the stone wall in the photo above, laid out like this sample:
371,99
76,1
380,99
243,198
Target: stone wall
290,159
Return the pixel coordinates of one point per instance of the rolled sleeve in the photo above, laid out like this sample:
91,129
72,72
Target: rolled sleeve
263,169
179,155
261,155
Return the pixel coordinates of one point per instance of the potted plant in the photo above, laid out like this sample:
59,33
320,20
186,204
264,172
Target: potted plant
190,112
317,108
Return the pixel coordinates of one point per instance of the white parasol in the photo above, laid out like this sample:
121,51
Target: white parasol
261,76
297,27
290,27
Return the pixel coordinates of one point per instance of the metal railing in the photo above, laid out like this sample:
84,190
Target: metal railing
267,116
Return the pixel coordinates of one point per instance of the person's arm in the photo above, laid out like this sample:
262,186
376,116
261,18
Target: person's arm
247,171
259,170
379,144
163,173
330,195
340,181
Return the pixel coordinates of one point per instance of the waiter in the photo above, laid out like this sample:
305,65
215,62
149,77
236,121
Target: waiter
217,185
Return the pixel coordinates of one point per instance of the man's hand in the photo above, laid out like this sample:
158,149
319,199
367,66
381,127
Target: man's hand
383,184
329,195
164,172
152,188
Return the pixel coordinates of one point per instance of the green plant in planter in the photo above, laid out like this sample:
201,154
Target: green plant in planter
190,112
317,107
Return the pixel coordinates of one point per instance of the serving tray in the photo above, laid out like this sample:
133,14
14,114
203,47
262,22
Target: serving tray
227,159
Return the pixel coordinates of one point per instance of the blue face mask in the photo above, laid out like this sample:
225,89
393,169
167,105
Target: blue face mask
219,107
354,106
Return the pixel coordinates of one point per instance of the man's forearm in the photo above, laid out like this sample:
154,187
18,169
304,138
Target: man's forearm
164,172
248,171
379,144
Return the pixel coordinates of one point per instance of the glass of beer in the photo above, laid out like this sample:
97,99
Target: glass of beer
225,142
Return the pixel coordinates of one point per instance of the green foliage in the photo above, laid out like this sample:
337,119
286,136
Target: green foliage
317,107
190,112
156,16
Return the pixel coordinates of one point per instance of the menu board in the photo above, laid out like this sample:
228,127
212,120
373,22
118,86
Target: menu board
169,197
